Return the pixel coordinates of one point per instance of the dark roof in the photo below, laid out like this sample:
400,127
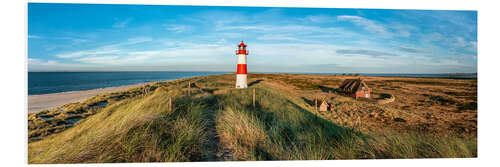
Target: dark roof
352,85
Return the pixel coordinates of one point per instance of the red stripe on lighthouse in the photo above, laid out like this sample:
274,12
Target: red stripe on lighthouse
242,52
242,69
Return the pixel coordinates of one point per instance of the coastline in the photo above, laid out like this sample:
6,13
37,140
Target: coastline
48,101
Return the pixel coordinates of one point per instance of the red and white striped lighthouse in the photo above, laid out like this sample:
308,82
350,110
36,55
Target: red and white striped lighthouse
241,73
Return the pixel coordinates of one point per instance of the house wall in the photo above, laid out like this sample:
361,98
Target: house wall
361,94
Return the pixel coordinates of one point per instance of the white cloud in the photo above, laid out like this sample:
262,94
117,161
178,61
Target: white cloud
443,62
366,23
450,62
189,53
148,53
269,32
460,41
432,37
252,27
386,30
122,24
319,18
104,50
78,41
411,50
289,54
404,33
178,53
136,40
33,62
273,28
277,37
222,41
472,46
84,53
34,37
276,57
99,59
367,52
177,28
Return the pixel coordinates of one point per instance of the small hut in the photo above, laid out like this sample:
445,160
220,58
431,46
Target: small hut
324,106
355,88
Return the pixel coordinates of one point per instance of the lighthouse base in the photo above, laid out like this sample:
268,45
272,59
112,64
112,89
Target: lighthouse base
241,81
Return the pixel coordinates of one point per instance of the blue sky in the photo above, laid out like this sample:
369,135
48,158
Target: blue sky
89,37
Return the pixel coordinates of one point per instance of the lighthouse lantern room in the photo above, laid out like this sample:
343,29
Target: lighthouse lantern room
241,73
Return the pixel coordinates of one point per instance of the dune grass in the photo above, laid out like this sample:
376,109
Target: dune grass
48,122
140,129
280,128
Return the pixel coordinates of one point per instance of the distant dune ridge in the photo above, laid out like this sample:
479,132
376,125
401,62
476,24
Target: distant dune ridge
162,122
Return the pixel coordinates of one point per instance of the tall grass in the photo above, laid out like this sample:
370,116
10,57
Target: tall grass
276,129
280,128
141,129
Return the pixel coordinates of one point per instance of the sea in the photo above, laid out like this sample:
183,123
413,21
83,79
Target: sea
56,82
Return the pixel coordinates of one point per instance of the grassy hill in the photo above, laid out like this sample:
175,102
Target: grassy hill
217,122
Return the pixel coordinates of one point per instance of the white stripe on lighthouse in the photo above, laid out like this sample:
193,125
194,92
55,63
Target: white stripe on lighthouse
241,81
242,59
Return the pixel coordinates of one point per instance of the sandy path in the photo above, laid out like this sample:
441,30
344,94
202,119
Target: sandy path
48,101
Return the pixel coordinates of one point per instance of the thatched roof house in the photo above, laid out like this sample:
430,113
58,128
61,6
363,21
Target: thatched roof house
355,88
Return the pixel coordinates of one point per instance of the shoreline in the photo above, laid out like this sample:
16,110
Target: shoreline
41,102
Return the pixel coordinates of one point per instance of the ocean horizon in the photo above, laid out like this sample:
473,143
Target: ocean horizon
56,82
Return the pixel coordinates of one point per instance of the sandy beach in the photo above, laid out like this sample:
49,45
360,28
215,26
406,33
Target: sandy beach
47,101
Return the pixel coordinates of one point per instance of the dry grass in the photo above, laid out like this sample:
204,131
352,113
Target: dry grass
438,105
47,122
283,127
429,118
137,129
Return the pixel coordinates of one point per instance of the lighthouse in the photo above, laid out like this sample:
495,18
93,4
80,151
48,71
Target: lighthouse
241,73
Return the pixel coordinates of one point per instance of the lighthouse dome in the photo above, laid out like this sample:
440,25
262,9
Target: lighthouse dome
242,44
